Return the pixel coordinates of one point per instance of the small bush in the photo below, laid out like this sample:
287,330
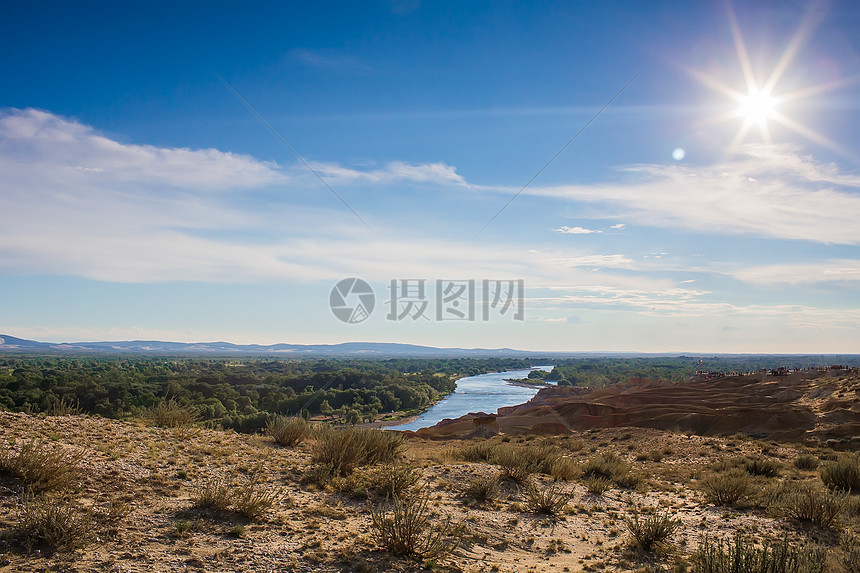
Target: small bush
807,503
215,493
484,490
729,489
476,452
742,556
520,462
612,467
762,467
806,462
172,414
393,480
252,500
342,450
55,523
42,467
652,531
545,500
248,499
564,469
65,407
406,530
843,474
288,431
597,485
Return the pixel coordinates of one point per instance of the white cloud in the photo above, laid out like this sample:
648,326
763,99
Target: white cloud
791,196
69,154
575,231
395,171
801,273
618,226
598,261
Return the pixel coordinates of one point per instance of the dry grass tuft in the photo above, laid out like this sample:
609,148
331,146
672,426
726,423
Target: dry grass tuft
842,474
288,430
172,414
42,467
653,531
545,500
406,529
728,489
340,451
54,522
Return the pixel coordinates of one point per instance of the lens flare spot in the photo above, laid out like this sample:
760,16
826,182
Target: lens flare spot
679,154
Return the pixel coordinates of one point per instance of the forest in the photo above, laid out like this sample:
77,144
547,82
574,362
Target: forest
238,394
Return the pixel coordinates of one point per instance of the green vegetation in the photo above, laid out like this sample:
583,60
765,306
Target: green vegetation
843,474
239,394
742,555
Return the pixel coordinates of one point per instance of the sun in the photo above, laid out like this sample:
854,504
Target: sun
757,107
760,104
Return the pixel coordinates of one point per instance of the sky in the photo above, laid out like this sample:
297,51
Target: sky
556,176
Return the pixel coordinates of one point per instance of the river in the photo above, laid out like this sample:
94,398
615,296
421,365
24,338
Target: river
483,393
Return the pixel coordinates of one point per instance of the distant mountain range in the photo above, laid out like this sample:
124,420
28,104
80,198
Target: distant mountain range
11,344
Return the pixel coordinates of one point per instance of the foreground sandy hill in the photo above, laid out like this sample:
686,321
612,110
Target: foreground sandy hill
139,484
801,406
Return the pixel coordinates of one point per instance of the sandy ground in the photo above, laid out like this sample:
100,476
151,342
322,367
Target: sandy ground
145,478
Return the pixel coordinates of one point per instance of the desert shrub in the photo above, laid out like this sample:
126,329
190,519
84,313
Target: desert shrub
813,504
545,499
564,469
172,414
520,462
65,407
597,485
742,556
652,531
728,489
42,467
762,467
476,452
806,462
249,499
214,493
252,500
612,467
342,450
288,430
842,474
392,480
54,522
405,528
483,489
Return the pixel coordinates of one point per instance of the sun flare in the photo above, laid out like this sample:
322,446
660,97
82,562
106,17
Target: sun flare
757,107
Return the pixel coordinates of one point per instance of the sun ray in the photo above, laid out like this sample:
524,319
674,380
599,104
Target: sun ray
810,23
740,47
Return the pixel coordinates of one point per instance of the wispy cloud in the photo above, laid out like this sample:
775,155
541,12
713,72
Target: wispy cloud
843,270
576,230
70,154
437,173
765,190
336,62
618,226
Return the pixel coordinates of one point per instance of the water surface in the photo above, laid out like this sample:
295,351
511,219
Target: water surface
483,393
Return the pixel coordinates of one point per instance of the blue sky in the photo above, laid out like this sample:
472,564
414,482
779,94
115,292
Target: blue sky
712,207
